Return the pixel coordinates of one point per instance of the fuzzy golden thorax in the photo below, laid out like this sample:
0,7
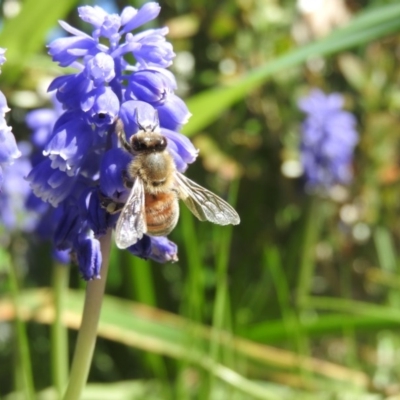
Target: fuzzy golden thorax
156,170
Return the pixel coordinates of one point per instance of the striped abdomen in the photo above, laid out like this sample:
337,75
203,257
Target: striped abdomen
162,213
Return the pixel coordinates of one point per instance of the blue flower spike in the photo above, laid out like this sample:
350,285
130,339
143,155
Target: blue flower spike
81,167
328,139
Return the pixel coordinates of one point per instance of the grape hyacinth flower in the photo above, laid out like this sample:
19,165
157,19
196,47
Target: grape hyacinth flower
8,146
328,139
41,123
83,161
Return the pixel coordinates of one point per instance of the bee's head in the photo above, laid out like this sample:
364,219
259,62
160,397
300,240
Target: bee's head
147,142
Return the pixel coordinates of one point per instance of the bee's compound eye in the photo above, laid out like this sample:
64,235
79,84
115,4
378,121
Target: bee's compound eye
136,144
161,144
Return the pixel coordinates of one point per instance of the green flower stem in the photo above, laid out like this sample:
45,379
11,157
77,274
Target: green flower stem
307,261
24,357
88,331
59,333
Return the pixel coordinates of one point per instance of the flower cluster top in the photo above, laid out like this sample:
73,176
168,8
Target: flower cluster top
120,75
329,137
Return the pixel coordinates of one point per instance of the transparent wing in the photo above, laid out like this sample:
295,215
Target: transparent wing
131,224
205,205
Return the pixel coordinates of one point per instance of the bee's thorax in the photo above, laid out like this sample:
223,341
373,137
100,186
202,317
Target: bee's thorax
156,170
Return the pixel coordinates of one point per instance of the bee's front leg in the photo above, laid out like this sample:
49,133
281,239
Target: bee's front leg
119,129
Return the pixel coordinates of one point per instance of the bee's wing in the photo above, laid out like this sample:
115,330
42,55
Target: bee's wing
205,205
131,224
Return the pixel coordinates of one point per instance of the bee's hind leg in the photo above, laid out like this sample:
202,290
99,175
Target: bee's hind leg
110,205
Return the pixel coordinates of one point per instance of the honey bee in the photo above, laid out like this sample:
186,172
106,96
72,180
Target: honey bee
156,186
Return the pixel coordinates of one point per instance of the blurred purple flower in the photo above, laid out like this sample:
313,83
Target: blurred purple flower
8,146
82,161
2,57
20,211
328,138
14,194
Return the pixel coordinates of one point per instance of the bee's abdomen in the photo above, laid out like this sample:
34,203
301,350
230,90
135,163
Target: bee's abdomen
162,212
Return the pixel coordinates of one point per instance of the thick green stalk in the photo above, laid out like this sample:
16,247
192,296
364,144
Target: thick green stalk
59,333
88,331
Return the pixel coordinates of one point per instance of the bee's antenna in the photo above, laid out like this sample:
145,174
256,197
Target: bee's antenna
156,121
140,126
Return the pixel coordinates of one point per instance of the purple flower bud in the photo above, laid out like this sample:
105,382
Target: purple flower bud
100,69
70,89
132,19
150,86
142,248
163,250
89,257
180,165
92,15
67,50
62,256
183,146
158,248
113,164
102,106
110,28
173,113
154,50
127,14
69,144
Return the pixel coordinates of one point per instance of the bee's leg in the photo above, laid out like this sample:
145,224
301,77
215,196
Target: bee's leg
119,129
111,206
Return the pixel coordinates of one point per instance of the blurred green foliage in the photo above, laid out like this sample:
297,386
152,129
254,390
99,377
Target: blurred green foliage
315,277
